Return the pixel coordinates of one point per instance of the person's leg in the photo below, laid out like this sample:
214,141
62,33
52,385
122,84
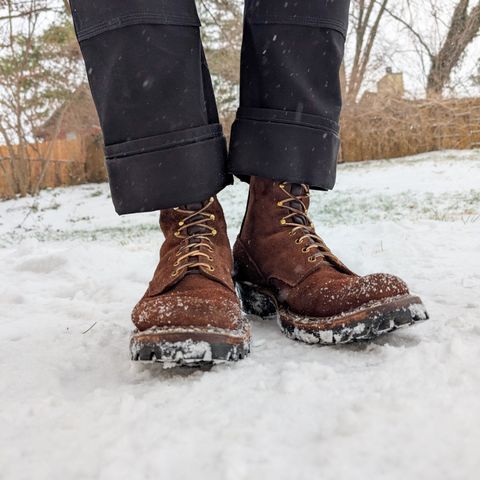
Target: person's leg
290,100
285,141
152,90
166,151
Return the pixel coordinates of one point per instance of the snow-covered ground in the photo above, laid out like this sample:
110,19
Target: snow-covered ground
73,406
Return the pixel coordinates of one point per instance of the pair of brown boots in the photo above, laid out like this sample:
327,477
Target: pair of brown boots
282,269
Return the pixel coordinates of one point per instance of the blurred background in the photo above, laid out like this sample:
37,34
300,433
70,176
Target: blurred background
411,82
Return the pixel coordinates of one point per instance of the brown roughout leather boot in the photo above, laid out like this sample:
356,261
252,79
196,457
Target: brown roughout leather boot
283,269
190,314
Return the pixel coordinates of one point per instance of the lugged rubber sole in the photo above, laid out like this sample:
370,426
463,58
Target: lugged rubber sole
364,323
190,347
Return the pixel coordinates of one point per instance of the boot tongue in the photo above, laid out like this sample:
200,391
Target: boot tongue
195,207
297,189
195,229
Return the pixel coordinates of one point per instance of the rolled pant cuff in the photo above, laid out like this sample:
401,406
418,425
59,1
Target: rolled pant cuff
284,146
168,170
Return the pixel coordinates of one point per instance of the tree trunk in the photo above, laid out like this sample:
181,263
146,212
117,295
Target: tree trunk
462,30
366,29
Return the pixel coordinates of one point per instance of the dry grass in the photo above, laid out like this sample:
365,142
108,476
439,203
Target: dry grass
389,127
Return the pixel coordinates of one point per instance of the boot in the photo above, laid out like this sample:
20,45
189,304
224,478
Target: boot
283,269
190,314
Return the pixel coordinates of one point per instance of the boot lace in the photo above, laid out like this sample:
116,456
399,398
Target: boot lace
298,221
196,249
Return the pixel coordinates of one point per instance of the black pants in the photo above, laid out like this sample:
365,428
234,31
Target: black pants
152,89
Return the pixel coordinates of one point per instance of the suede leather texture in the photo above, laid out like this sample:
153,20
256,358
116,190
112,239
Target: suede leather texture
192,299
266,255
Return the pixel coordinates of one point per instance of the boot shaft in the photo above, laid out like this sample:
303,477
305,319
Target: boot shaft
263,211
188,229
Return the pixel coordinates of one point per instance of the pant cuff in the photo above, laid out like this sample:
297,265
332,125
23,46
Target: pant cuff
168,170
284,146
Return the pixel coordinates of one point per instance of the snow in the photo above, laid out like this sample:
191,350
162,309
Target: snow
73,406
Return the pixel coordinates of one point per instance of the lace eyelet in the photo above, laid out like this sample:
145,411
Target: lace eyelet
283,221
214,233
305,250
210,258
312,259
174,273
176,264
298,241
178,234
211,269
212,217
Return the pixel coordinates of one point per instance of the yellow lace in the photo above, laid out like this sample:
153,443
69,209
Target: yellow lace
316,247
195,244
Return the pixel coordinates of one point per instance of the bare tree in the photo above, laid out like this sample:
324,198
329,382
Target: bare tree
222,35
462,28
366,19
38,72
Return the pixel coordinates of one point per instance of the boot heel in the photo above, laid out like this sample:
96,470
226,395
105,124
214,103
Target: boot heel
255,302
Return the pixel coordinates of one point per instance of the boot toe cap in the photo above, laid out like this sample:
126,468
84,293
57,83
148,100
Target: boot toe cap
342,295
207,308
379,286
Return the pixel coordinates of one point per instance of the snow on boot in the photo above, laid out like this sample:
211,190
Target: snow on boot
283,269
190,314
